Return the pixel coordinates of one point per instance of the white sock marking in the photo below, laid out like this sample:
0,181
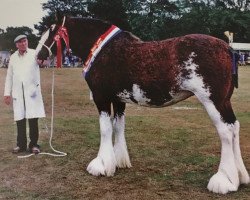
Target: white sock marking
105,162
120,146
243,174
226,179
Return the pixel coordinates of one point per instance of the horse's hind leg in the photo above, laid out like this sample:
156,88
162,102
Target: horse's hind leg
231,170
227,178
105,162
243,174
234,126
120,146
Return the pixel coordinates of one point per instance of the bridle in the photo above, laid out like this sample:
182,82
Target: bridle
61,33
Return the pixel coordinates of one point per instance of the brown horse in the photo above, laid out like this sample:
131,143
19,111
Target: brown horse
122,69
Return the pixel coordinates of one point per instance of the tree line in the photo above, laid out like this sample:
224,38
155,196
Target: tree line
149,19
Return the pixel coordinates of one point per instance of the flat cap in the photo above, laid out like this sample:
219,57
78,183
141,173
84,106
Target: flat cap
19,37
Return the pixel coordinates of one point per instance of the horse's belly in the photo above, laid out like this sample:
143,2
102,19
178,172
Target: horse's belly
180,96
142,98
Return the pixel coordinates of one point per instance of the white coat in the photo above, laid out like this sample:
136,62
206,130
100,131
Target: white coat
23,84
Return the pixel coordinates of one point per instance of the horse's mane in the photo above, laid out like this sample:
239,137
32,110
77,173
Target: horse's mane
94,20
135,38
107,23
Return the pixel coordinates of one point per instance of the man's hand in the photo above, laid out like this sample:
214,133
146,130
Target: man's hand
7,100
39,62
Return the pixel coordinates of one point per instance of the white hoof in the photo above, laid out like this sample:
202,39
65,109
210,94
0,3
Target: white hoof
100,166
122,157
244,178
219,183
96,167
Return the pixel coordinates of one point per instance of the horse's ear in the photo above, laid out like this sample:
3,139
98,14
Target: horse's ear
58,16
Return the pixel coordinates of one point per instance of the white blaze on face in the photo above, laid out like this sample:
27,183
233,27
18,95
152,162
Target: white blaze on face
43,39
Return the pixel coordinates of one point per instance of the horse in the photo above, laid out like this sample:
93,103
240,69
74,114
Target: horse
120,68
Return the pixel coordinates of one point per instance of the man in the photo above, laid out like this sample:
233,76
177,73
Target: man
22,87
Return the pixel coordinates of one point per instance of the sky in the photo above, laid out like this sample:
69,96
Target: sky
17,13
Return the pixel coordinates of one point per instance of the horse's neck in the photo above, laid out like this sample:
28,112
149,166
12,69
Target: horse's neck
81,46
83,37
124,39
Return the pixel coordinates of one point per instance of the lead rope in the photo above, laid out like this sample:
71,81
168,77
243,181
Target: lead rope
58,153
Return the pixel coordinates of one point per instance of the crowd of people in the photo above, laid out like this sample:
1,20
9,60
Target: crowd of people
244,58
70,60
4,58
4,62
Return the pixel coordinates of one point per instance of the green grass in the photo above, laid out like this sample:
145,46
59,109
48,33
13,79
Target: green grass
174,152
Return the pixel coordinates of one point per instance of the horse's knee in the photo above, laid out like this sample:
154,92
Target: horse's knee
236,129
105,124
225,134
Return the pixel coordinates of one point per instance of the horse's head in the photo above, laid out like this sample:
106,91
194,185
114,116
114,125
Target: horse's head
52,39
46,46
83,32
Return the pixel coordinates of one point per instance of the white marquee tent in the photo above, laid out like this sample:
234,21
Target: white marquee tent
240,46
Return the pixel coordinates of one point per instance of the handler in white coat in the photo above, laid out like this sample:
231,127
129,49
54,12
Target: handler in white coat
23,87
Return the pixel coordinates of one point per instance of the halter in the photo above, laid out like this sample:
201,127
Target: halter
61,33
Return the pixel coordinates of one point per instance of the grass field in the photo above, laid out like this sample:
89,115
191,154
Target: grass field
174,150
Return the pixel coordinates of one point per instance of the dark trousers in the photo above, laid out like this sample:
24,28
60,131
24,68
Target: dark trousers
21,133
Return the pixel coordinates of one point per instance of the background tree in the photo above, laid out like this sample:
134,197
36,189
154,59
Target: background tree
7,37
76,8
145,18
110,10
160,19
148,18
213,17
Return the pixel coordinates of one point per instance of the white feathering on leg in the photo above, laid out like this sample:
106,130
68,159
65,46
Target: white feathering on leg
243,174
120,146
105,162
227,178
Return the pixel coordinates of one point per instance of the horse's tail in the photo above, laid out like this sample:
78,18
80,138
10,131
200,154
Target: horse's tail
235,58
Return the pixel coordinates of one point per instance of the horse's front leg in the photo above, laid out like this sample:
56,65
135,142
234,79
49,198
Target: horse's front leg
120,146
105,162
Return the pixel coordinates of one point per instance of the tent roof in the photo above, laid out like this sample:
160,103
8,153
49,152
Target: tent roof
240,46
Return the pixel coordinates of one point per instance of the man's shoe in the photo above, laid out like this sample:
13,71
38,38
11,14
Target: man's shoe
35,150
18,150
